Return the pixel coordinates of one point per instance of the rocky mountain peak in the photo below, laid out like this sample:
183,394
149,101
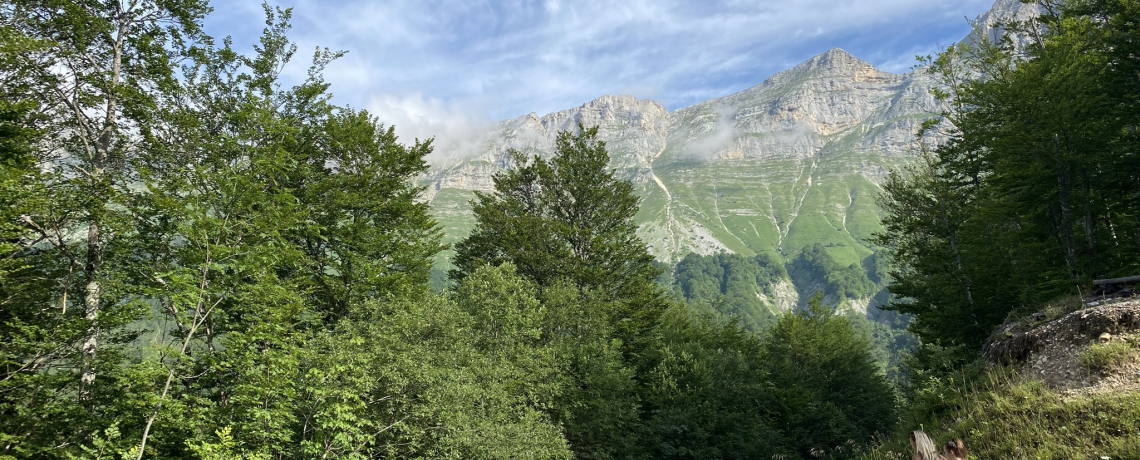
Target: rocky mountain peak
783,165
834,60
834,63
830,65
991,25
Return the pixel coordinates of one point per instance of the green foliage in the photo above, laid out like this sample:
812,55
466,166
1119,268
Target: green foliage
254,220
934,377
81,69
567,225
708,394
732,285
890,341
838,281
464,376
828,389
568,218
599,408
270,216
744,287
224,267
1034,194
1105,356
372,237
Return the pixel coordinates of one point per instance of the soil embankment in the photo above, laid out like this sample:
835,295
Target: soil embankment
1051,349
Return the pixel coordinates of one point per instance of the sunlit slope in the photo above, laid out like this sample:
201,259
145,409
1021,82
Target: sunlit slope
761,206
782,166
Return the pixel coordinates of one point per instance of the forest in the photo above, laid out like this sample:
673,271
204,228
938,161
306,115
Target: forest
199,260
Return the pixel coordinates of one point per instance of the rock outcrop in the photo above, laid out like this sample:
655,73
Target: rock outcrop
1050,350
791,162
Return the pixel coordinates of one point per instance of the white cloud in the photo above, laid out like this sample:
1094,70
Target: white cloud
505,58
716,140
459,131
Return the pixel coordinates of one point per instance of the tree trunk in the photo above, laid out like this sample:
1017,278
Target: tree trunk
1064,184
92,297
953,237
1090,223
99,162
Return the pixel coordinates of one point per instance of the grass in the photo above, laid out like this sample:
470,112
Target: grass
1105,356
1005,416
1063,306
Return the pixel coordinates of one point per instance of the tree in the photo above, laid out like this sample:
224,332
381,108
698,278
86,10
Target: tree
90,73
96,74
568,218
374,237
732,285
567,225
709,394
267,216
828,388
431,377
1033,196
237,223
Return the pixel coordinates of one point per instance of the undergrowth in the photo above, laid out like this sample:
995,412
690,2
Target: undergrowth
1001,415
1105,356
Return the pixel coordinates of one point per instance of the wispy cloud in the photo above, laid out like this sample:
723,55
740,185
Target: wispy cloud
494,59
713,142
458,131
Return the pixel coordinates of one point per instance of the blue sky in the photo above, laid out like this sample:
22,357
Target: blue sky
447,67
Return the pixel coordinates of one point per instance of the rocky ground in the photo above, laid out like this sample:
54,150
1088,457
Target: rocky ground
1051,349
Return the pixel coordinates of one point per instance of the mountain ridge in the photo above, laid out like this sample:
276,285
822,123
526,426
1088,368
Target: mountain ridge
789,163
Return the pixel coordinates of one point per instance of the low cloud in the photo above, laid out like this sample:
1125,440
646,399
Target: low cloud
460,131
725,132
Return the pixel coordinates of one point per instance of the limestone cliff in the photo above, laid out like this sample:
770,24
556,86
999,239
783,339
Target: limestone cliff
789,163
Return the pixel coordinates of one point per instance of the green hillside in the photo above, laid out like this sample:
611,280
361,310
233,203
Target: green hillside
786,165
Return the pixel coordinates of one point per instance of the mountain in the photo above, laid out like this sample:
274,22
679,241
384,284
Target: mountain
992,23
780,167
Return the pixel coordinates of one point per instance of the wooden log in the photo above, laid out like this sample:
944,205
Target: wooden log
1128,280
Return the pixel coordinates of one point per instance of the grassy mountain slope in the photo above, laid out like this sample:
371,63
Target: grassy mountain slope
783,166
790,163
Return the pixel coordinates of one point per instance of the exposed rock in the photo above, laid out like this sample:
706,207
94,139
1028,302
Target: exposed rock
1051,350
634,131
992,23
793,161
833,104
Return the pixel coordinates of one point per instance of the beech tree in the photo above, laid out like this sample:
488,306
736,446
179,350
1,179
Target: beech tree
1033,196
567,224
216,224
826,384
568,218
96,70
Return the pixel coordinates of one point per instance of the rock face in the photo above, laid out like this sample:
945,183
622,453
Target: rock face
832,110
634,131
789,163
991,24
